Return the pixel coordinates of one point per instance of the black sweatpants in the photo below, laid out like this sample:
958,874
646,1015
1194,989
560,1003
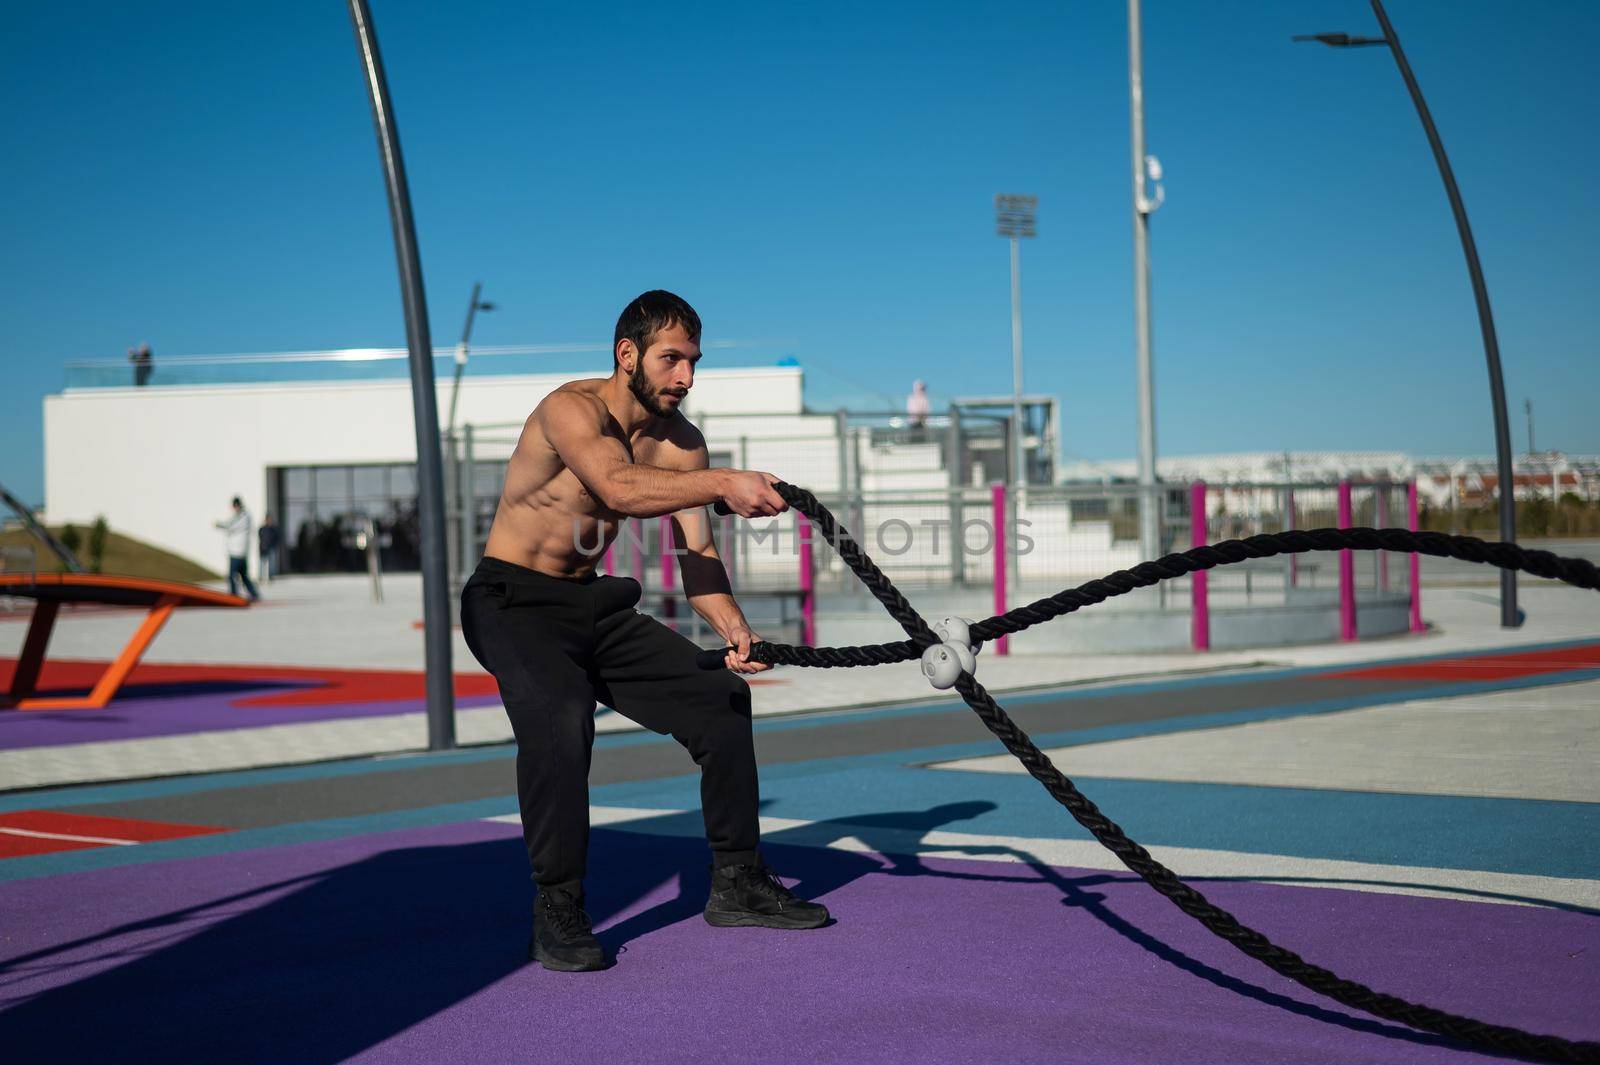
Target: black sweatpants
556,645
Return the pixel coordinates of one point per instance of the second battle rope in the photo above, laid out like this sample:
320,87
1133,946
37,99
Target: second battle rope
1285,962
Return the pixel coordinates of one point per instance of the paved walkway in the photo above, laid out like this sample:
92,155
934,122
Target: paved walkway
311,623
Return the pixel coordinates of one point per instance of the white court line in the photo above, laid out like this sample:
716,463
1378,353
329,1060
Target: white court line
1467,885
62,835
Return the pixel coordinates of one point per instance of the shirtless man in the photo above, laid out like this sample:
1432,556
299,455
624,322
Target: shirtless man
558,636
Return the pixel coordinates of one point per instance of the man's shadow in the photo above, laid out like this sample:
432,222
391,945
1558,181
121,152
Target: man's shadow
801,853
897,842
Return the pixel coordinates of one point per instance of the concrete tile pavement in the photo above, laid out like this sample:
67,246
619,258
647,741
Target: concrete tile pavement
332,621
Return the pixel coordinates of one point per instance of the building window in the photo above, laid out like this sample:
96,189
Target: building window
325,506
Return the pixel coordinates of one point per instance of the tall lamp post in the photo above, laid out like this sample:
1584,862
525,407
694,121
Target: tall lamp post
473,307
1014,218
1145,204
1510,616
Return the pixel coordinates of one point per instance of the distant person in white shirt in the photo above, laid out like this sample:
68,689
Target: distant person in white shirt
917,407
238,530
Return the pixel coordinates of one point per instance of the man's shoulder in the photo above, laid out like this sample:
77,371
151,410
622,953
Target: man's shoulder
573,393
682,446
568,401
684,435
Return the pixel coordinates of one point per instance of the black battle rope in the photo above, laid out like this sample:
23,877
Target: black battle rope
1284,962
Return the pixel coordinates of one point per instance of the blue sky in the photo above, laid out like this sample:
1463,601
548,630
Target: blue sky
204,177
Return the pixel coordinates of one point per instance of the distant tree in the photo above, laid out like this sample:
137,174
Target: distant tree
71,538
97,543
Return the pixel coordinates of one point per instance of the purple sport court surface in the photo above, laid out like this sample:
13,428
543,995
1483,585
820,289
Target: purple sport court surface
405,946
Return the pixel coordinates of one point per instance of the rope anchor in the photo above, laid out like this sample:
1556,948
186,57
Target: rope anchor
945,643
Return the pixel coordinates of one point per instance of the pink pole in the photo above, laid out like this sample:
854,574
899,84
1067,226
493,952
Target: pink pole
669,603
808,585
997,495
1416,562
1347,571
609,563
1200,614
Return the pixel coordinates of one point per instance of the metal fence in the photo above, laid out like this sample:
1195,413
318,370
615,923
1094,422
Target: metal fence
964,548
1240,510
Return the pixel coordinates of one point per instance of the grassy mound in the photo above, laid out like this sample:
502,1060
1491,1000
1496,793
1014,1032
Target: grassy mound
123,555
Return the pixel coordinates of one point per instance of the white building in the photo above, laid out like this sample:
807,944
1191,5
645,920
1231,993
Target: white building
314,437
161,462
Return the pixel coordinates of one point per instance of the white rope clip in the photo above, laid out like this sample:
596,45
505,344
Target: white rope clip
944,662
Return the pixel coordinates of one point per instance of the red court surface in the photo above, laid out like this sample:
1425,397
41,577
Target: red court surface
29,832
1489,667
317,686
165,700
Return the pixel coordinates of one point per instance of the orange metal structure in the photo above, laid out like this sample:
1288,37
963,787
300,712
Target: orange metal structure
50,590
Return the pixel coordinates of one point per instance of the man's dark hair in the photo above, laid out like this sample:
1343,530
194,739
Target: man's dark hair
650,313
238,502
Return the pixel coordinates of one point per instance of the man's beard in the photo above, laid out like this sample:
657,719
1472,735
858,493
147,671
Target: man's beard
648,397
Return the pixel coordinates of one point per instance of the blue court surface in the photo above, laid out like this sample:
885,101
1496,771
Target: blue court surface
1426,827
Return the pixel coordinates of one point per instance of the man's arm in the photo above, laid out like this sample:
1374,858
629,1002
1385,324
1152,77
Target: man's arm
705,578
573,425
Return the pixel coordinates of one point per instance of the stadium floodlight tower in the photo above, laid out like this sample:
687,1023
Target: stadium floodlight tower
1014,218
1510,616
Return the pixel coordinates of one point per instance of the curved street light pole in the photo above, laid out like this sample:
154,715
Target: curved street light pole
424,401
1510,616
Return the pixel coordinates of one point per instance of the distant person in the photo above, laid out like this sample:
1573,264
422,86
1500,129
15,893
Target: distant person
267,541
143,364
238,530
917,407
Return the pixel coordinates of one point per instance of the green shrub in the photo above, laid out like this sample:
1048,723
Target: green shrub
71,538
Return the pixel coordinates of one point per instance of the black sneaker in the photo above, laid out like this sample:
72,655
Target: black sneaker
563,939
752,895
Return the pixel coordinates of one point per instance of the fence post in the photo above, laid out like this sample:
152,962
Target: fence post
808,585
841,432
1347,571
1289,525
452,525
1381,520
669,603
958,548
1002,549
1416,561
729,549
1200,613
467,485
636,530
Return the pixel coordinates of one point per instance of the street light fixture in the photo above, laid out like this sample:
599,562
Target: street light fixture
474,305
1014,218
1510,616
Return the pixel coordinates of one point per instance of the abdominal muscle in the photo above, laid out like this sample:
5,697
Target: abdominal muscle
546,519
556,528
